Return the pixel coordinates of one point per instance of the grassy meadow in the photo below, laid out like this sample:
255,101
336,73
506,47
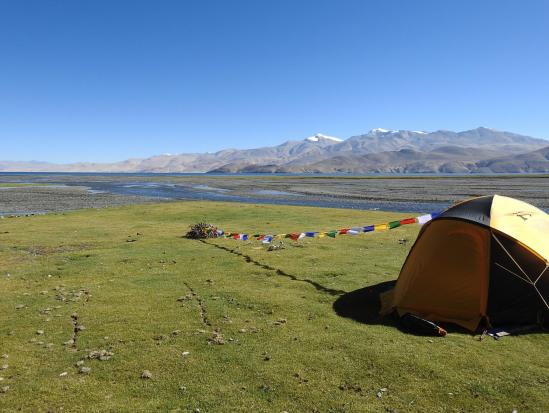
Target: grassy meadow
92,300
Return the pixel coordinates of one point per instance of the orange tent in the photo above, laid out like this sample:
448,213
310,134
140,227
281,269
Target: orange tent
486,259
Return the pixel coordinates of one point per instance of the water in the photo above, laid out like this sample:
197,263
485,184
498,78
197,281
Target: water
168,191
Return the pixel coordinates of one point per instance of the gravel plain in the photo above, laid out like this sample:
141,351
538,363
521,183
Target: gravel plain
68,192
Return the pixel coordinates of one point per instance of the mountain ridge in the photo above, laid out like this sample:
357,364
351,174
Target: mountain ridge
377,151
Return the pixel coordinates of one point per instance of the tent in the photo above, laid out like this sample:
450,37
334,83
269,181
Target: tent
481,262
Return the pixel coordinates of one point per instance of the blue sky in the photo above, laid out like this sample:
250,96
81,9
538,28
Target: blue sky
109,80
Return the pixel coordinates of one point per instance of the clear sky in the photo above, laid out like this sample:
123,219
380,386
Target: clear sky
95,80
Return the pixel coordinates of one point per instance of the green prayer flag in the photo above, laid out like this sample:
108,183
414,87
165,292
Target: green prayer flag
394,224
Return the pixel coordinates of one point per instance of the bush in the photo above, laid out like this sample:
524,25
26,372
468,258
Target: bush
202,230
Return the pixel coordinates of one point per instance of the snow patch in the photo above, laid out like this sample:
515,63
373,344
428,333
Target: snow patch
420,132
320,136
381,130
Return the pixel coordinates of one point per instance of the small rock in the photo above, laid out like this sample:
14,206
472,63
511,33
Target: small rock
79,363
217,338
80,327
146,374
383,390
185,353
182,388
280,321
84,370
69,342
101,355
64,374
242,330
4,366
4,389
5,356
267,358
176,332
379,394
39,332
44,292
19,306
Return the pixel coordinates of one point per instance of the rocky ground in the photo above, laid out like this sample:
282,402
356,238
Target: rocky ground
41,199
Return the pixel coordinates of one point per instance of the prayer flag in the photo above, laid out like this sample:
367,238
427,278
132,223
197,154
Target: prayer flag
380,227
331,234
423,219
394,224
368,228
343,231
310,234
408,221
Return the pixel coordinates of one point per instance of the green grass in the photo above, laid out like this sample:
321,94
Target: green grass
19,185
125,294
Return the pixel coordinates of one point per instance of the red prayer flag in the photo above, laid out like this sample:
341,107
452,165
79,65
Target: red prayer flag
343,231
294,236
408,221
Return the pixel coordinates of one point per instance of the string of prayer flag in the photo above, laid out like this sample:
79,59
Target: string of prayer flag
296,236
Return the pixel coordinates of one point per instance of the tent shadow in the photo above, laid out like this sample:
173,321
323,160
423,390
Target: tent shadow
363,306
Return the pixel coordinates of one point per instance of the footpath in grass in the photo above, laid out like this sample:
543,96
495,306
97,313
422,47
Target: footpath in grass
112,310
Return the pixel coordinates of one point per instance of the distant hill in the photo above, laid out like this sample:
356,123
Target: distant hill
378,151
535,161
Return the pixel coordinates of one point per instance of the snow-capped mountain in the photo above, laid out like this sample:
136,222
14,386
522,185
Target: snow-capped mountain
379,150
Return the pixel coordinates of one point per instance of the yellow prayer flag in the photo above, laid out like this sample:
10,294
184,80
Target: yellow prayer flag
380,227
321,235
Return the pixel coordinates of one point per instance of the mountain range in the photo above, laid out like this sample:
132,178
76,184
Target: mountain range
480,150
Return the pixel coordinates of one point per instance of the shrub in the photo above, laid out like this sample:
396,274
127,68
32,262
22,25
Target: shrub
202,230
